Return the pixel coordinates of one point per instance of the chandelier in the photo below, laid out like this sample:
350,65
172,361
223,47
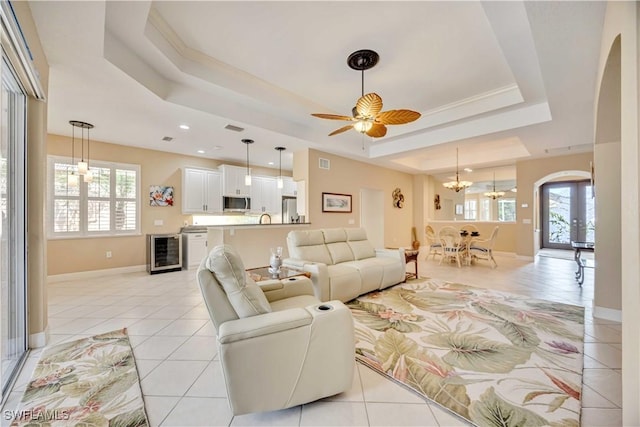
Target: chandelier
494,194
457,185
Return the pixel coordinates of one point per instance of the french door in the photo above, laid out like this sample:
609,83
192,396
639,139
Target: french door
13,321
568,214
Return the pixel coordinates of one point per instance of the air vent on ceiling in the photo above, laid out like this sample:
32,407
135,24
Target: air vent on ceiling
324,163
234,128
167,138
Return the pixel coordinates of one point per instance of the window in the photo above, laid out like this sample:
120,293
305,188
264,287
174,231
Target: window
107,206
485,209
470,209
506,209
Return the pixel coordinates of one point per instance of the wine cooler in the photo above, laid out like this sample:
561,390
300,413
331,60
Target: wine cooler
164,253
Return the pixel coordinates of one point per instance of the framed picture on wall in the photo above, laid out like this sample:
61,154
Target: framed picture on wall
160,195
459,209
334,202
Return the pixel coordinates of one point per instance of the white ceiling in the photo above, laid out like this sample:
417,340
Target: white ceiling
500,80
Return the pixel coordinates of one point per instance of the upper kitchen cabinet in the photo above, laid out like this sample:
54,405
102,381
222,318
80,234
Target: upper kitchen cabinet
233,181
289,187
201,191
264,195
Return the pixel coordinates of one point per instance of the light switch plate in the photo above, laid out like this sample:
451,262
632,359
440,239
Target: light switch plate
158,222
526,221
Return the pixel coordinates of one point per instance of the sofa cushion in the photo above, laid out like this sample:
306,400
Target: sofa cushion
308,245
332,235
245,296
340,252
360,246
344,282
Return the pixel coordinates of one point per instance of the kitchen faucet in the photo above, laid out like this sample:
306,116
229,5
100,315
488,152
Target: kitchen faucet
263,215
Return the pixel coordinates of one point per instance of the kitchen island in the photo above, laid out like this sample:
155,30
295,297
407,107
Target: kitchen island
253,242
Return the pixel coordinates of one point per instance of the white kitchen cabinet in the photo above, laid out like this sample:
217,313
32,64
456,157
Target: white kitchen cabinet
194,249
264,195
233,181
201,191
289,187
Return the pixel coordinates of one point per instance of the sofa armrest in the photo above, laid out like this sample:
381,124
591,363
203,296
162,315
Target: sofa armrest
393,253
319,275
278,289
263,324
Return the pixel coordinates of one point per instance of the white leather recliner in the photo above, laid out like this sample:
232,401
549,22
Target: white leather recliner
279,346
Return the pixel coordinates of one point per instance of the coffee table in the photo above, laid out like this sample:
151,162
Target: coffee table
262,273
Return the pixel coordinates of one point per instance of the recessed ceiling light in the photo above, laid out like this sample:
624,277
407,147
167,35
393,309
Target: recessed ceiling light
184,127
468,170
201,151
216,147
271,163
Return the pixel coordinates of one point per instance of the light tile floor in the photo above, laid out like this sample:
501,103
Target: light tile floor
174,346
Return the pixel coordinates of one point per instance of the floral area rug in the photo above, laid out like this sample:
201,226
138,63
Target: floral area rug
493,358
88,382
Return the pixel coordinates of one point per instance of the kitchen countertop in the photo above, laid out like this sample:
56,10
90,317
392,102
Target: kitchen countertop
203,228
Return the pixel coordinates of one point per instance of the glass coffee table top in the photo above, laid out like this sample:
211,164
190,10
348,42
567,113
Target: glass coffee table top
263,273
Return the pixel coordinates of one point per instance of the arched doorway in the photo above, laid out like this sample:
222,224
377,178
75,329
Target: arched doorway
539,218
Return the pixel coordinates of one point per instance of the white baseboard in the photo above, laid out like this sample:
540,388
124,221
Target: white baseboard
525,257
40,339
607,314
505,254
95,273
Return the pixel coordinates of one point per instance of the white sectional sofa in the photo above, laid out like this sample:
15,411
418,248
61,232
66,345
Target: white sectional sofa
343,263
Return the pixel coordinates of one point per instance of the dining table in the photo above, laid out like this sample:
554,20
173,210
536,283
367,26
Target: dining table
466,239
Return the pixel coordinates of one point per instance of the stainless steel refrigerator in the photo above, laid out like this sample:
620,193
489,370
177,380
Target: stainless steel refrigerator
289,210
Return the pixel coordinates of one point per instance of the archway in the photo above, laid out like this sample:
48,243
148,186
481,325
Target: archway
568,174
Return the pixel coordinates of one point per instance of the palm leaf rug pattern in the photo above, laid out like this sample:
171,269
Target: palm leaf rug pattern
493,358
92,381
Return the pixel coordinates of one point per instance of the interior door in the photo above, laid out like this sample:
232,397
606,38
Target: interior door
372,215
568,214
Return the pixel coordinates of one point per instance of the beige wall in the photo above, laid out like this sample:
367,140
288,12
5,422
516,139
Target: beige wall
348,176
607,292
529,172
622,19
157,168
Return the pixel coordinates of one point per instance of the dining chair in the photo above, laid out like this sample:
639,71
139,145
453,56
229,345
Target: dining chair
434,245
452,246
469,228
483,248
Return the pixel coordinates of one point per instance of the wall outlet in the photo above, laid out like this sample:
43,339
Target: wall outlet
109,254
352,221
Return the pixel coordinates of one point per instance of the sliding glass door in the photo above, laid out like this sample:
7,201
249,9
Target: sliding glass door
568,214
13,342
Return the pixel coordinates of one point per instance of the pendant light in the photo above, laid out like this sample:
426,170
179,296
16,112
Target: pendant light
494,194
247,177
72,178
280,181
457,185
83,166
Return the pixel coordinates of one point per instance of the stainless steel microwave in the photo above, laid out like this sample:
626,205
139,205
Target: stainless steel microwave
236,204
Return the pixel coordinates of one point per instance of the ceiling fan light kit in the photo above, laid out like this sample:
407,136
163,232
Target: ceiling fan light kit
368,117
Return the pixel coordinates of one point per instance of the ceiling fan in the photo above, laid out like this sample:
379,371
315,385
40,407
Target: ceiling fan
367,116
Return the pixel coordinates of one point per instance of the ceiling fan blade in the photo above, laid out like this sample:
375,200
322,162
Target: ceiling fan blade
342,129
332,116
377,130
369,105
397,117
